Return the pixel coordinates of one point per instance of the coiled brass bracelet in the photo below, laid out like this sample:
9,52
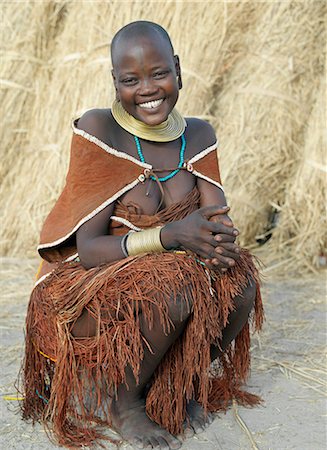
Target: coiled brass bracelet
146,241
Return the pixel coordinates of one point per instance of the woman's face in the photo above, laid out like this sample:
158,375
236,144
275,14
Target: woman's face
145,77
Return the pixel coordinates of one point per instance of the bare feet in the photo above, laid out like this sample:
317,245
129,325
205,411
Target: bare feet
197,421
132,423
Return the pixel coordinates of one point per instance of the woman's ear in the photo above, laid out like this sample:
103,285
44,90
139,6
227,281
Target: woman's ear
115,84
178,72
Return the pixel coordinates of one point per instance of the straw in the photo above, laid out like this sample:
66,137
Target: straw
243,426
255,71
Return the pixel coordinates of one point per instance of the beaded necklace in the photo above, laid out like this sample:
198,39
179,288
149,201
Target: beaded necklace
174,172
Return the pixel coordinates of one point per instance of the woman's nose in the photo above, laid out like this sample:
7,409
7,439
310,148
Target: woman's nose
147,87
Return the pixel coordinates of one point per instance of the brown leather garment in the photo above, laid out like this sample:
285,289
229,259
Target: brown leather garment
97,176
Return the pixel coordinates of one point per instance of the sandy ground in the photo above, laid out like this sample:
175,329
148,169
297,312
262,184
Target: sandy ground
288,371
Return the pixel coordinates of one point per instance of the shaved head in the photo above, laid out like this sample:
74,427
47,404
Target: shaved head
139,29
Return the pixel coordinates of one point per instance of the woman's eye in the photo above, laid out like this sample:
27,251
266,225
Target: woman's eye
160,74
129,81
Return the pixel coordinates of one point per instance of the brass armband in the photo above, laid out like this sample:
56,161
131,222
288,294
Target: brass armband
146,241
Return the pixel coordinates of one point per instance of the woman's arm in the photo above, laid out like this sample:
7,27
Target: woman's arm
94,245
227,252
196,232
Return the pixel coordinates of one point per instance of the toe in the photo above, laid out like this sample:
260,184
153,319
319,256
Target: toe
175,443
137,442
155,443
163,444
207,420
146,443
188,431
197,426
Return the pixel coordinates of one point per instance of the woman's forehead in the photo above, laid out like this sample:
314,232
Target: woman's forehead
151,50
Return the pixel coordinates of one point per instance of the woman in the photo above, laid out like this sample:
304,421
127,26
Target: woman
142,284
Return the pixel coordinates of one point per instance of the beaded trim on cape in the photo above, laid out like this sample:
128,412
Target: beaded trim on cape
169,130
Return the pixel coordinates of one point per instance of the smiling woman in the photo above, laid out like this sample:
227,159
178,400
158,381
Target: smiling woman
146,73
143,284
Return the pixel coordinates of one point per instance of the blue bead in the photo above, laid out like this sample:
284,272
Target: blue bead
41,397
174,172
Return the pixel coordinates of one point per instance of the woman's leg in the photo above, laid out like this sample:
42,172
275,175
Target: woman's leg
244,302
237,318
128,408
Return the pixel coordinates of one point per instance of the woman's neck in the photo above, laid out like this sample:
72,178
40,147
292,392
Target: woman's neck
167,131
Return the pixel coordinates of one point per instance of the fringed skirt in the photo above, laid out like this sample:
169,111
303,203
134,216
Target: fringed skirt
68,382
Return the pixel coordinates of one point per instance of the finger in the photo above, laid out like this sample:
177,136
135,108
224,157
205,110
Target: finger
225,261
209,211
207,239
210,240
220,261
227,222
206,251
214,262
222,251
224,238
219,228
224,219
210,263
217,264
230,246
222,266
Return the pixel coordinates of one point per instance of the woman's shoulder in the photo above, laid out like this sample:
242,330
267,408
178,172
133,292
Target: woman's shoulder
97,122
200,134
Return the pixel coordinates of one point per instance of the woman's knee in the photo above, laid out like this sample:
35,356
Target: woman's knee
85,326
180,308
245,301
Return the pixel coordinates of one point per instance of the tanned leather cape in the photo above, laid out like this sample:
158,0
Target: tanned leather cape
97,176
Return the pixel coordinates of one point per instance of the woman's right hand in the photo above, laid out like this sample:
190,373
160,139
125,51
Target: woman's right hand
197,233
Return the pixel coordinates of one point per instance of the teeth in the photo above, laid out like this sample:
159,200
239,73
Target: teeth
151,105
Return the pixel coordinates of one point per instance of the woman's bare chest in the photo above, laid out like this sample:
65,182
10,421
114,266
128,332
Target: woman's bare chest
172,183
148,196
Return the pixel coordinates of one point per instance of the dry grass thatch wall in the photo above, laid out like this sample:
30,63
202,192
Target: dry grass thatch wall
255,70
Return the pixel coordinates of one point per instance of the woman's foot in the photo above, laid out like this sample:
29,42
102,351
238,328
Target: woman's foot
131,422
197,421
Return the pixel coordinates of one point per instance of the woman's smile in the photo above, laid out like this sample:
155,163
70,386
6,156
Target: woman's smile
152,104
145,78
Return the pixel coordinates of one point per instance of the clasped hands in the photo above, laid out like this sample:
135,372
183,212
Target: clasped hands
209,233
226,252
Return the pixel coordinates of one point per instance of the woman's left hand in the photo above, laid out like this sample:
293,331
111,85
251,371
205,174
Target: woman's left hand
227,251
227,254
